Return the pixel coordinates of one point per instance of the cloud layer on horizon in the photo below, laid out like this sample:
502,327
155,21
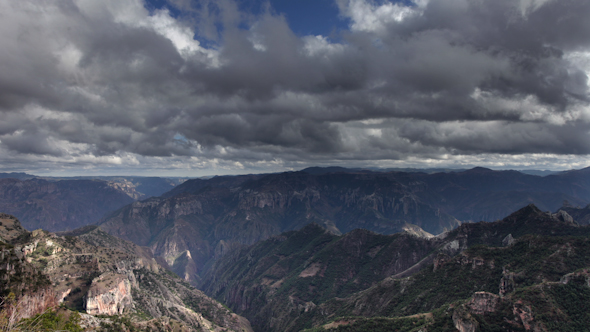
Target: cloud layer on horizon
86,83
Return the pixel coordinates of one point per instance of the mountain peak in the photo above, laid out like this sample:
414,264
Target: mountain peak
479,170
527,212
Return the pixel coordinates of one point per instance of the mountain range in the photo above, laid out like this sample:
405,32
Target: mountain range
323,249
525,272
195,223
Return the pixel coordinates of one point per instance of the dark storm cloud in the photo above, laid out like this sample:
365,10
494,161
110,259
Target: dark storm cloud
106,81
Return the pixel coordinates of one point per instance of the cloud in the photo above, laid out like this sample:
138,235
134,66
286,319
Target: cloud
106,83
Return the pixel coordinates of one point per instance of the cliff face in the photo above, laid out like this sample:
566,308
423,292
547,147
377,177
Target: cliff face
109,295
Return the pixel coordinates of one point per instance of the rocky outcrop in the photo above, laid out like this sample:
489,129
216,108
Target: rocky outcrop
32,304
483,302
464,322
507,283
524,315
508,240
578,214
565,217
109,294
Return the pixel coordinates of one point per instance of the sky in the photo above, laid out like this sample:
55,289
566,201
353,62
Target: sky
203,87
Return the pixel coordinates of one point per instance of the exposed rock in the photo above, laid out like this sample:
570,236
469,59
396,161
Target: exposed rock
36,303
523,314
582,276
508,240
483,302
463,321
211,217
109,294
416,231
565,217
44,270
507,283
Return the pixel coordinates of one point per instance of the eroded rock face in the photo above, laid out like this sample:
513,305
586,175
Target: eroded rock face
37,303
464,322
109,295
506,282
89,269
483,302
524,315
565,217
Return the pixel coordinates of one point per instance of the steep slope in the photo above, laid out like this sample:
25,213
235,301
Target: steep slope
89,270
59,205
17,276
531,282
297,276
297,270
539,283
205,218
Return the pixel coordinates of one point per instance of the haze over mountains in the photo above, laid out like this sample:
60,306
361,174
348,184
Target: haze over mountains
58,204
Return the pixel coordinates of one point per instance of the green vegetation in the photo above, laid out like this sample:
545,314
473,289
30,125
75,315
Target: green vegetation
118,323
380,324
53,321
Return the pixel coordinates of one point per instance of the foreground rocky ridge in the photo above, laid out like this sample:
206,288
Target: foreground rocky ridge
199,221
311,278
119,278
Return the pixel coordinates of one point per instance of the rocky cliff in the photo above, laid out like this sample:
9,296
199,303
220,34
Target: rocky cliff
109,294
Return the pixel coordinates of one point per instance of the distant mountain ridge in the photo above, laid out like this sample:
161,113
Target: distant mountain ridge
202,219
137,187
59,204
209,217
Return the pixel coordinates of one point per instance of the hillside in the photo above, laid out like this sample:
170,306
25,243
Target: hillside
309,277
110,280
